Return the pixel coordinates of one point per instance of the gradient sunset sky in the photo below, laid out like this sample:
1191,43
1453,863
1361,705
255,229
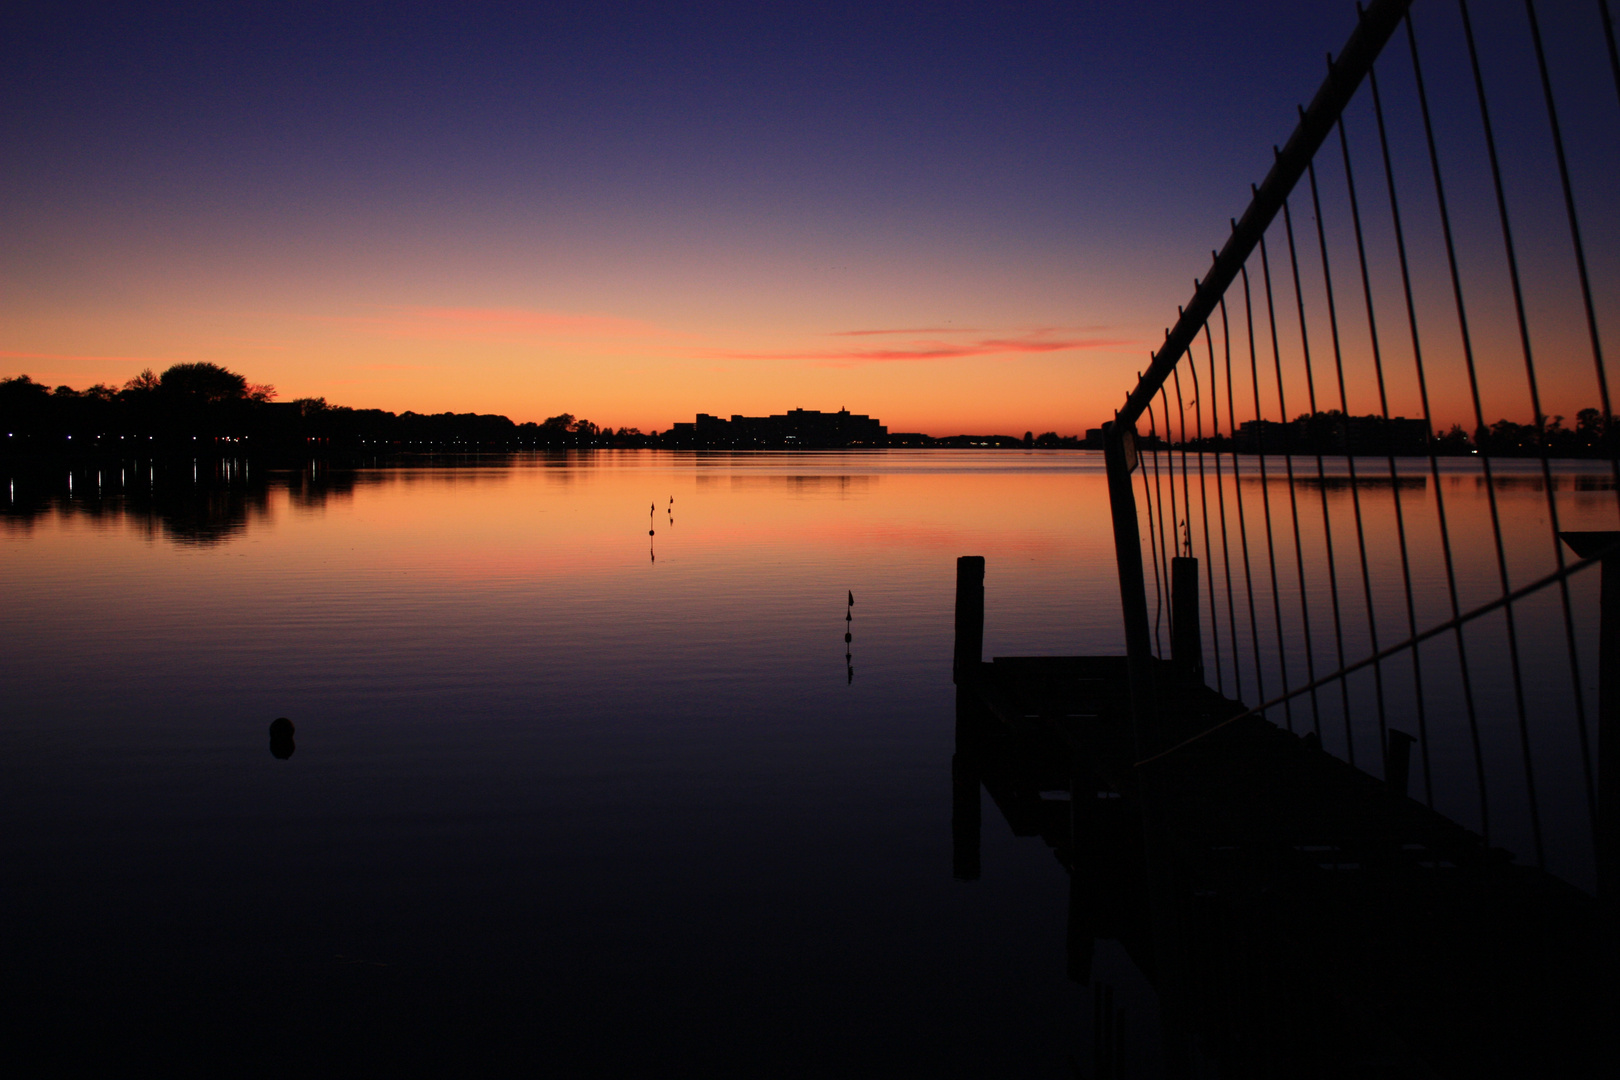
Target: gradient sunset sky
955,217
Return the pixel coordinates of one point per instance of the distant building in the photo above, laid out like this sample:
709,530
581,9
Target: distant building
796,429
1334,433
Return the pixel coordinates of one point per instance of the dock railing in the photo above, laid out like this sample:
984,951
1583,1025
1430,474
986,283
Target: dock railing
1433,245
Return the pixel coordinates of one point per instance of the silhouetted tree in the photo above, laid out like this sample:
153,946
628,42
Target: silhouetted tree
203,382
145,382
1455,441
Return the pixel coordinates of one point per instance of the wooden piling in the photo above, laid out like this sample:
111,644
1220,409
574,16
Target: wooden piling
969,616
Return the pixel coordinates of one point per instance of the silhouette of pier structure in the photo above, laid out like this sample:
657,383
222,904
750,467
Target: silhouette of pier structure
1427,908
1296,915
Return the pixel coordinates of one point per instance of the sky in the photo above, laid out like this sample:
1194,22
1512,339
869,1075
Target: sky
954,217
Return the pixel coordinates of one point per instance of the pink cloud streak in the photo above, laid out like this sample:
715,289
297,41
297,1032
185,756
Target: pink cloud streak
919,330
936,350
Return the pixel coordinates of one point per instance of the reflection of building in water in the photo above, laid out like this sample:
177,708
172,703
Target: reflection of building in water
794,429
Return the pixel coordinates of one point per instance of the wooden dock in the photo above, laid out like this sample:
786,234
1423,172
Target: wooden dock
1296,916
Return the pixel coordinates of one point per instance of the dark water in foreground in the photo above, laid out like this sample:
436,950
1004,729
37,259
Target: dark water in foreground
564,794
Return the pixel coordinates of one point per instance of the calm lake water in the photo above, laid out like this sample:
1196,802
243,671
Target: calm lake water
565,793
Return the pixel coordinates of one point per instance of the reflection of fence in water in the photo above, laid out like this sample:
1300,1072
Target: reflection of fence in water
1416,254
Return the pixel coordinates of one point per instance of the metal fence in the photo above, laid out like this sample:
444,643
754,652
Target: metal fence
1435,246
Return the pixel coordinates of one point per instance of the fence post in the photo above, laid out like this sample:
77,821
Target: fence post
1119,457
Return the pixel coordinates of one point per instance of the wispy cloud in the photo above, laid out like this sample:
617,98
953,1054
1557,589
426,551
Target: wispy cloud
920,351
919,330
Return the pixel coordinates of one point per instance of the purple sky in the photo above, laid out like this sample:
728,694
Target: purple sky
956,217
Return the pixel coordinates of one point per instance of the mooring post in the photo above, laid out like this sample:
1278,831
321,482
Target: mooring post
1398,761
969,617
1186,640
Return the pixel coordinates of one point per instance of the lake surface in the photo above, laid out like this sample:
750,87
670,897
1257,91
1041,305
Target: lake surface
575,785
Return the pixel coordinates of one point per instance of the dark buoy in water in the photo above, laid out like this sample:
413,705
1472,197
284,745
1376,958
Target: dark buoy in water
281,738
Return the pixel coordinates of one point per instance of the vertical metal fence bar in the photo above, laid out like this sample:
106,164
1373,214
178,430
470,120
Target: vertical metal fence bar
1203,513
1569,211
1170,468
1350,465
1428,428
1428,421
1186,493
1603,393
1293,498
1479,421
1265,497
1383,406
1321,471
1237,497
1185,537
1155,531
1220,502
1535,404
1614,53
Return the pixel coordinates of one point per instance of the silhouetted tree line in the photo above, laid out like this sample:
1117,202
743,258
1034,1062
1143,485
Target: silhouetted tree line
201,406
1334,432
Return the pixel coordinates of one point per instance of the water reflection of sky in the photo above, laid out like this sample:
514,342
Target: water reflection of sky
580,783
